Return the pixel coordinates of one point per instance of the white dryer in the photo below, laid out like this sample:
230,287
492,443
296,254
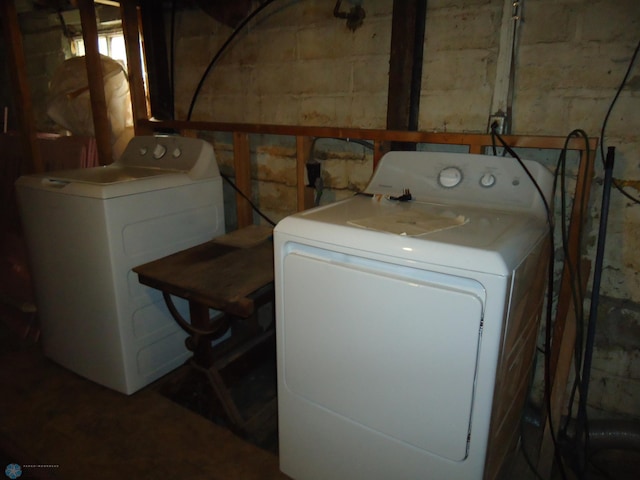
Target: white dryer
406,329
87,228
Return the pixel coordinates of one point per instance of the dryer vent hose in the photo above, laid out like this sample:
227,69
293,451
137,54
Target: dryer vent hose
605,434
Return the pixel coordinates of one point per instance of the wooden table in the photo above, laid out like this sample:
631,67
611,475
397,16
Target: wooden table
232,274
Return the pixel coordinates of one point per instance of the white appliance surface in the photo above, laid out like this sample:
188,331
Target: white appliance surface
392,317
86,229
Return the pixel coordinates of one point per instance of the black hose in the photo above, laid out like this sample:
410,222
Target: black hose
581,427
221,51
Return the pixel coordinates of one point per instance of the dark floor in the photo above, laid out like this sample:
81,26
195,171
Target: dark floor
55,424
71,428
252,384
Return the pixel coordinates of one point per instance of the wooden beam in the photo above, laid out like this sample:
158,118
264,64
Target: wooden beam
405,66
157,59
473,140
22,95
133,39
101,125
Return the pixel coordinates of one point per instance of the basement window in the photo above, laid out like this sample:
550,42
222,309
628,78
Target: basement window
109,44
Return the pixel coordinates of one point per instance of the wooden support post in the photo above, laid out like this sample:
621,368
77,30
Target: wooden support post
157,55
101,125
303,156
476,148
405,67
21,93
133,39
242,166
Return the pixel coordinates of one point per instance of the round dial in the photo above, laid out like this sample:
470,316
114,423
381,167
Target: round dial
450,177
488,180
159,151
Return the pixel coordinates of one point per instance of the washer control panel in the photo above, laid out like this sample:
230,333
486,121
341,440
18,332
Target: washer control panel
193,156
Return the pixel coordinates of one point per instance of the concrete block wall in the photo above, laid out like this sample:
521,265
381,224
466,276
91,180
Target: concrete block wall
294,64
460,53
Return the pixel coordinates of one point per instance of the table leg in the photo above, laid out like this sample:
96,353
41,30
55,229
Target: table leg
203,361
221,391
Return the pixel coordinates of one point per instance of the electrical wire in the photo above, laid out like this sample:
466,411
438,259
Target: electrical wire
201,83
575,272
253,205
526,170
219,53
619,187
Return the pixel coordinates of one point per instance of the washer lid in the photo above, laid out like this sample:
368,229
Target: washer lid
106,182
107,175
148,163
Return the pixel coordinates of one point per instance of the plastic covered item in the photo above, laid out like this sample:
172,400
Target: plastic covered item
69,102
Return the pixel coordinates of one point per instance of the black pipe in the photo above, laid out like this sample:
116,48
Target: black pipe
221,50
581,426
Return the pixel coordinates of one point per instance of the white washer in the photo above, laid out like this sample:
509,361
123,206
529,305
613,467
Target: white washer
86,229
406,330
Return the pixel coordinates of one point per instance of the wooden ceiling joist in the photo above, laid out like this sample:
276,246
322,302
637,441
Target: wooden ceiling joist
21,93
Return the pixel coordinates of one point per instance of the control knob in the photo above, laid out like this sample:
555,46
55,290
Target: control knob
449,177
488,180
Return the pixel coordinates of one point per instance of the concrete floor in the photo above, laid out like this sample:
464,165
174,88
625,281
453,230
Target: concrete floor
50,416
71,428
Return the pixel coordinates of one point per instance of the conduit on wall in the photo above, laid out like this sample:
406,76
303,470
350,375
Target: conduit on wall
505,68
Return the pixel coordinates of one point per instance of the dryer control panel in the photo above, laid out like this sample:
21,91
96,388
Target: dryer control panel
463,179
